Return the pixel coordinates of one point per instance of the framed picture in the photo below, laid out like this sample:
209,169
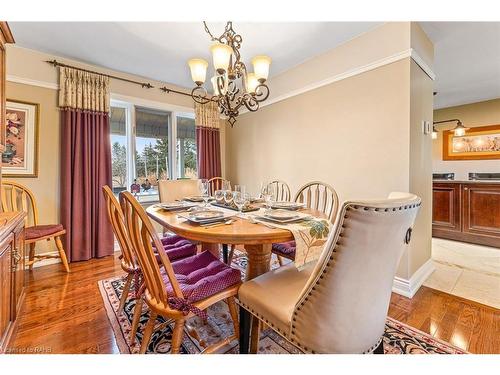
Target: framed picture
20,157
478,143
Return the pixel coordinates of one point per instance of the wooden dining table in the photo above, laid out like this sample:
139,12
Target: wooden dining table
256,238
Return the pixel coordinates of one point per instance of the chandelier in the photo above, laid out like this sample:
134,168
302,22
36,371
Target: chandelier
233,85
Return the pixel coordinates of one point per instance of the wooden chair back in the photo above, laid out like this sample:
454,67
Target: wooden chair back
117,220
143,236
319,196
171,190
214,184
17,197
281,190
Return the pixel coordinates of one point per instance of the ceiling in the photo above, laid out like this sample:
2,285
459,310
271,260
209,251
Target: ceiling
467,54
466,61
160,50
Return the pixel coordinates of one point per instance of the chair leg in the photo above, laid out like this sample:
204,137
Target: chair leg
255,335
233,311
148,332
245,326
126,290
177,336
231,254
380,348
136,319
62,253
225,253
32,255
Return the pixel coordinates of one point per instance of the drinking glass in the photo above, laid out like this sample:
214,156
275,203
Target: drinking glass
268,195
204,187
219,196
240,200
228,197
226,185
240,188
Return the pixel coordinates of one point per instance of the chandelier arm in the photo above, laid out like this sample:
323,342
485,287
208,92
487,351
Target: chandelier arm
250,102
201,97
261,92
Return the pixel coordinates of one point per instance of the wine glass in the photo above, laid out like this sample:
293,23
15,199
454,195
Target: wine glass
240,200
226,185
240,188
228,197
204,187
268,195
219,196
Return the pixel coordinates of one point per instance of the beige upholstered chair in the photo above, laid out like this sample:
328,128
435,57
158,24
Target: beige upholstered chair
170,190
338,304
281,190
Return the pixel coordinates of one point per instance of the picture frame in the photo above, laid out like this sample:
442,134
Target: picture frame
20,154
478,143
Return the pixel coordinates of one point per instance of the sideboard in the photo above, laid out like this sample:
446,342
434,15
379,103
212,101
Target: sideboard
467,211
12,273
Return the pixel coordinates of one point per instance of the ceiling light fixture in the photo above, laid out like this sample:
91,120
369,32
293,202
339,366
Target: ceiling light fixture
233,85
459,130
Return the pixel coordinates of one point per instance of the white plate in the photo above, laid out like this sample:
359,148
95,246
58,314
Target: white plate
170,206
287,205
206,215
281,215
194,198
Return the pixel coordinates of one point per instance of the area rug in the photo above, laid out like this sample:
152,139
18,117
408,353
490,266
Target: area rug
398,337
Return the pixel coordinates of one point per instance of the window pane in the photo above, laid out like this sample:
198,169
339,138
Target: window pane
151,146
118,148
186,148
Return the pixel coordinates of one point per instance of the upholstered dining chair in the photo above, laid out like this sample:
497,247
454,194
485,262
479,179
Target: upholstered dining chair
175,247
172,190
318,196
17,197
182,289
338,304
215,183
281,190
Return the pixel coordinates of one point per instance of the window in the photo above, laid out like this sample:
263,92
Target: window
186,147
148,145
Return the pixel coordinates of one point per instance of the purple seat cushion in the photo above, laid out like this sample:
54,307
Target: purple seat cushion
177,247
285,249
39,231
201,276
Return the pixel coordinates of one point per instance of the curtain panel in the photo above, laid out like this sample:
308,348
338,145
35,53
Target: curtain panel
207,122
85,163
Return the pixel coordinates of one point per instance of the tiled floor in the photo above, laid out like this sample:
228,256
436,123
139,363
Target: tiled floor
465,270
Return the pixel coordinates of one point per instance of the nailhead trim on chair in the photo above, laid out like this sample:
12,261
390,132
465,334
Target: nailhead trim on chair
328,265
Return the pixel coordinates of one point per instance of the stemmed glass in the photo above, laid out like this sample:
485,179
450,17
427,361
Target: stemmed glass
219,196
240,200
204,187
267,193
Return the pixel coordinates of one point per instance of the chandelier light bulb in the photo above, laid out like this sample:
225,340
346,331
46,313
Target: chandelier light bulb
198,70
221,54
261,67
252,83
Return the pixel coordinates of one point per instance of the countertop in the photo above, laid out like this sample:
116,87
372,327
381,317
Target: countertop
468,181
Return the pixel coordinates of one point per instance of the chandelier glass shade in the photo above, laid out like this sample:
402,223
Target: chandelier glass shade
233,85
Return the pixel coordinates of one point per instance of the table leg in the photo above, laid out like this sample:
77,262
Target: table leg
212,247
259,260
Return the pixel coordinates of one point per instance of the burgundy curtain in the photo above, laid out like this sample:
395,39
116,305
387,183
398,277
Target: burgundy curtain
208,149
85,168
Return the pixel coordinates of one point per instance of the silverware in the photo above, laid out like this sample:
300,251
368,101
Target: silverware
254,221
206,226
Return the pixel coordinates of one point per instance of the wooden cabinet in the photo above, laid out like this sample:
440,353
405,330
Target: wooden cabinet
12,272
467,211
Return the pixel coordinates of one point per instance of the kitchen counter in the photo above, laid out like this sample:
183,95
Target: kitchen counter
468,181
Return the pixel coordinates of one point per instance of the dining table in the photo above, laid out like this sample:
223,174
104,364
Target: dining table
255,237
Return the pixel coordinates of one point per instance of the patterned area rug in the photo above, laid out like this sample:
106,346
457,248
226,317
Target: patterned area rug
398,337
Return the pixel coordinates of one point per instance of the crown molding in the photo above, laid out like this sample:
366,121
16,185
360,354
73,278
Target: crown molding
32,82
422,64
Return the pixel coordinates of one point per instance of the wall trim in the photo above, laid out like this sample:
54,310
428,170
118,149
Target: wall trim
32,82
411,53
408,288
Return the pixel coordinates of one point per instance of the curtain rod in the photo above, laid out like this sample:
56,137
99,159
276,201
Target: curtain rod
145,85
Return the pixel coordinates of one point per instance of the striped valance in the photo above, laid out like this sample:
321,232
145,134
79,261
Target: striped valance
207,115
83,90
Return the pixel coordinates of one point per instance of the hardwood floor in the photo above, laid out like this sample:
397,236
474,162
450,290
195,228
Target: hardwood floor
64,313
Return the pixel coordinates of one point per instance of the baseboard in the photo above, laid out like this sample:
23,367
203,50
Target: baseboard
408,288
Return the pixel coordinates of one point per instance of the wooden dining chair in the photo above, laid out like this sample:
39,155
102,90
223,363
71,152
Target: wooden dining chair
175,247
181,289
16,197
338,304
318,196
214,184
281,190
